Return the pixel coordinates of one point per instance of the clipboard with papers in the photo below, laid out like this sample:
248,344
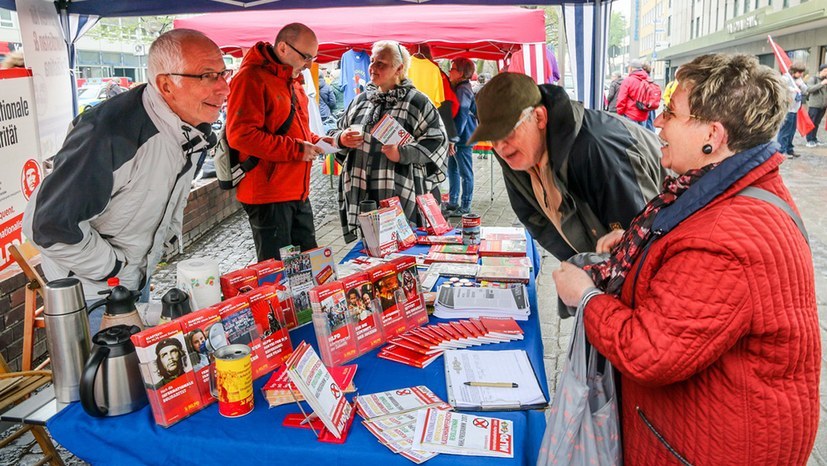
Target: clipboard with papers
492,381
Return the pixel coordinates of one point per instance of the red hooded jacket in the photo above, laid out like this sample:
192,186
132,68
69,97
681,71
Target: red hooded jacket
629,89
258,105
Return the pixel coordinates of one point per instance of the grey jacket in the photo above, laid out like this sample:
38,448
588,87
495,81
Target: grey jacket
115,200
816,93
606,167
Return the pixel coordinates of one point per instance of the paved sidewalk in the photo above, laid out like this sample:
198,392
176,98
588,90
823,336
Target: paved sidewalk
231,244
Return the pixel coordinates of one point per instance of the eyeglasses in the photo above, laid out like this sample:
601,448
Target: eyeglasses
307,58
209,77
668,114
524,116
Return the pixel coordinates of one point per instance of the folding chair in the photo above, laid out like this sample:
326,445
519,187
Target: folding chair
14,388
33,314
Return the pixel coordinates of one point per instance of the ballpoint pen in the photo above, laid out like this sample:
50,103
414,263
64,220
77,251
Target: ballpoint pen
492,384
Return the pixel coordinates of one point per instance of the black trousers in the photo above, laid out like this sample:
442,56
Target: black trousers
816,114
281,224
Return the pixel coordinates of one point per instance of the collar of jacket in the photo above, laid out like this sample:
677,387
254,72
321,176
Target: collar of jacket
263,55
170,124
565,118
728,174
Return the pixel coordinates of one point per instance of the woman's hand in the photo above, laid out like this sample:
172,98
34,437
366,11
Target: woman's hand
608,241
452,149
351,139
571,282
391,152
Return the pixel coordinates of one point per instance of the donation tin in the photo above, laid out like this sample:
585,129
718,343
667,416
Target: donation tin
471,229
233,380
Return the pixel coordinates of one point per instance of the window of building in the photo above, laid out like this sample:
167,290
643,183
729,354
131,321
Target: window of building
5,19
756,4
786,4
735,10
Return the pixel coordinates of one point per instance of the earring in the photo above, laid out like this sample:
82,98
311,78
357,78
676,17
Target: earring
706,149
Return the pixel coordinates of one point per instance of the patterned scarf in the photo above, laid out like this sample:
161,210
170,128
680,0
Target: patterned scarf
610,274
382,100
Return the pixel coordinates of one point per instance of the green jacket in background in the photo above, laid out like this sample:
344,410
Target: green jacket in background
816,93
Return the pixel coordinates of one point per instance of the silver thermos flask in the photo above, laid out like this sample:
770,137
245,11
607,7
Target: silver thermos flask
67,335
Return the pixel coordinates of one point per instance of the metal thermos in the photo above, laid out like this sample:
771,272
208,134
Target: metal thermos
67,335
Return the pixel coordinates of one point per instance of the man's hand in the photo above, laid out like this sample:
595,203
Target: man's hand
310,151
392,153
608,241
571,282
452,149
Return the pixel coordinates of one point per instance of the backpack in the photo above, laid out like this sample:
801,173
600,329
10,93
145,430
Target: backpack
648,97
228,168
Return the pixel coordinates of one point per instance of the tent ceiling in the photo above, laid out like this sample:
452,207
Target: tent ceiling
482,32
117,8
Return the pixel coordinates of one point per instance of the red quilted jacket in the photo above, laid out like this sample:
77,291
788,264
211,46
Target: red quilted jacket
721,352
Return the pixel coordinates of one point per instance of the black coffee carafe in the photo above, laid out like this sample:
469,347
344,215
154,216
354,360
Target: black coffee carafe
120,306
174,304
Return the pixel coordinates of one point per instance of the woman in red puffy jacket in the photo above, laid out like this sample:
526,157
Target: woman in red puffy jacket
706,306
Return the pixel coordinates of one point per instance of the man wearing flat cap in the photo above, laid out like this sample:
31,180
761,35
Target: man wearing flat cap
572,174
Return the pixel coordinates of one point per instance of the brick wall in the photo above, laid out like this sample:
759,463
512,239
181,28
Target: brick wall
207,206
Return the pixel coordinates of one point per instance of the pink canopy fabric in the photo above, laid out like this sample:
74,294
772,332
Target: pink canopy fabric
488,32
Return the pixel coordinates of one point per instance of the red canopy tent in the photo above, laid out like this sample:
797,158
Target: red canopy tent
488,32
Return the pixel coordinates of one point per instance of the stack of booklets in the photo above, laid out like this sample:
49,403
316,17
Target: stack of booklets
453,253
279,390
421,346
434,221
467,302
439,239
503,233
320,390
405,237
391,417
504,273
379,231
454,433
501,380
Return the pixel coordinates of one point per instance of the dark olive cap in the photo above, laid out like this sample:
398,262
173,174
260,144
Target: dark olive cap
500,103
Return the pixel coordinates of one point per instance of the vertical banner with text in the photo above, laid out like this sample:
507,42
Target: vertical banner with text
21,172
46,54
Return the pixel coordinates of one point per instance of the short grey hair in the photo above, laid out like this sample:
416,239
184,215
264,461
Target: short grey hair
718,86
465,67
399,54
166,56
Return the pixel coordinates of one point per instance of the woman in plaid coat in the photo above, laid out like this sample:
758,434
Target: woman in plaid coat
373,171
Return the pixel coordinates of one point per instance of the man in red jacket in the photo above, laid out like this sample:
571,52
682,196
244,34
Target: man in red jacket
630,88
267,118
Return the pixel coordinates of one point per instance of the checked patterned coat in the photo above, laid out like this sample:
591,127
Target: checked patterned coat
369,175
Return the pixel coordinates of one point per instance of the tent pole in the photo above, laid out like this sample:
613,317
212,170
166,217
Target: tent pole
62,7
598,54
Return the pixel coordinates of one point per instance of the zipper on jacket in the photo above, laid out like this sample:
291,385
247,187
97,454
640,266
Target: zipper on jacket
661,439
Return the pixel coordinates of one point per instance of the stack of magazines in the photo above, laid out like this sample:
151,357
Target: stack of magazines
391,417
379,233
279,390
471,302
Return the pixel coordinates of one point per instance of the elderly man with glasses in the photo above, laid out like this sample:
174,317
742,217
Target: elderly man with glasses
115,200
268,123
572,174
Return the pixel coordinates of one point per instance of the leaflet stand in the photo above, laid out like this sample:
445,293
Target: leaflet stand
311,421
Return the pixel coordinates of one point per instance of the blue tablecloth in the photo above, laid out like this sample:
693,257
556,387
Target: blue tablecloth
207,438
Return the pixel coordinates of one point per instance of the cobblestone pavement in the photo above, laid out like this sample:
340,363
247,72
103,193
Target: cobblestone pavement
230,243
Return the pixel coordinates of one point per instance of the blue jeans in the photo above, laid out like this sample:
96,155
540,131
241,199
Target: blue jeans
786,133
461,167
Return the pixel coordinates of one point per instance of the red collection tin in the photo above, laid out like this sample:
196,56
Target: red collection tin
234,380
471,229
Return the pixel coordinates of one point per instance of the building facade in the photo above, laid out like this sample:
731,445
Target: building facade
699,27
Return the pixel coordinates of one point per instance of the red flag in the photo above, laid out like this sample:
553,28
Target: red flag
781,56
803,122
